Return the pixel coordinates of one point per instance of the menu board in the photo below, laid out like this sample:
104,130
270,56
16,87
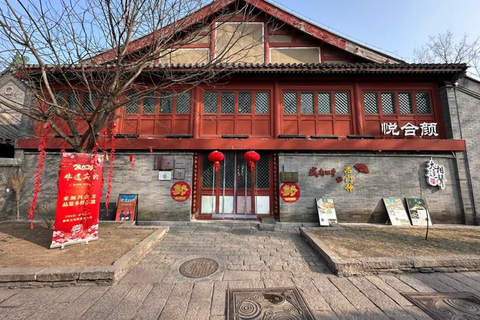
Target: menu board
326,211
126,207
418,210
396,212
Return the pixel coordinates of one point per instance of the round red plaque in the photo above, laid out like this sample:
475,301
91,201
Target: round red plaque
290,192
180,191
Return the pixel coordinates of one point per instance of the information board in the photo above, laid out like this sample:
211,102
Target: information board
418,210
396,212
326,211
126,207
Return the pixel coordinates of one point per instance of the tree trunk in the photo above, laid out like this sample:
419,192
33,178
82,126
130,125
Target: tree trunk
17,198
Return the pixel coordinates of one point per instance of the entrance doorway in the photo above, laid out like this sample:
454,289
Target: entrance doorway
228,193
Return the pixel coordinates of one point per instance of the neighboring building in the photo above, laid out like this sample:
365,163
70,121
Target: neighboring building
304,98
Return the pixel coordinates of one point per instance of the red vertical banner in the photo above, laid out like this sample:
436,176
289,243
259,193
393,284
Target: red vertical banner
78,200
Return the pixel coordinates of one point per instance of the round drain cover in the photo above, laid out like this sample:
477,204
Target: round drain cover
241,231
198,268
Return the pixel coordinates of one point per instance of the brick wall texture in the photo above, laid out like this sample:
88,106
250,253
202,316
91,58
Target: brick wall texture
391,175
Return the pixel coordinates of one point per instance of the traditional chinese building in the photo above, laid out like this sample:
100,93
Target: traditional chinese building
330,118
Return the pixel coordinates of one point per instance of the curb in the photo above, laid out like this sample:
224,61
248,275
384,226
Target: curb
65,276
375,265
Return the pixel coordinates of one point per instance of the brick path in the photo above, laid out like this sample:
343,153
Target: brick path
154,290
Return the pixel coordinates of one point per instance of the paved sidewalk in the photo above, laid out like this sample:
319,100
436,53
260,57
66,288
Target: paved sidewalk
154,289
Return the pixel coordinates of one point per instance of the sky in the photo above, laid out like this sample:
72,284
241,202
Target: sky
391,26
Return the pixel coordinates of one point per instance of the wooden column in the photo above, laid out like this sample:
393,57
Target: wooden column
359,115
253,191
196,112
276,110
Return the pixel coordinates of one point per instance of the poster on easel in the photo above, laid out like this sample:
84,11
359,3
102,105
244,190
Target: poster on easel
326,212
126,207
396,212
418,211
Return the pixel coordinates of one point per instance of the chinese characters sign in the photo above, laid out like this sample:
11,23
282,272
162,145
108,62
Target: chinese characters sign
426,129
180,191
348,179
79,192
315,173
290,192
435,174
126,207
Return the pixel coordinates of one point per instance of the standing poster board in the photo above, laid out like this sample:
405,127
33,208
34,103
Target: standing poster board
396,212
326,211
78,199
418,210
126,207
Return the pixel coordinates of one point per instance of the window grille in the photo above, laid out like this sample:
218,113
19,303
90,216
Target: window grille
289,103
183,103
423,103
405,102
73,100
324,103
59,98
228,102
261,103
388,103
149,103
342,104
207,172
228,164
262,173
166,102
242,170
89,102
244,102
370,102
210,102
133,106
306,103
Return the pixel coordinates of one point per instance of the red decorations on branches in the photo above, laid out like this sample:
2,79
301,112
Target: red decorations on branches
131,158
110,167
37,177
251,157
216,157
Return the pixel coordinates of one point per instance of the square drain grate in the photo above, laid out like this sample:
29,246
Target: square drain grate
271,303
447,305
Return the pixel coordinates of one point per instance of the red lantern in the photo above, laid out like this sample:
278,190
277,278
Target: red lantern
216,157
251,157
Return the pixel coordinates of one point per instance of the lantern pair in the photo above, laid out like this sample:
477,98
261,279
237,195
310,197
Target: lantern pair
217,156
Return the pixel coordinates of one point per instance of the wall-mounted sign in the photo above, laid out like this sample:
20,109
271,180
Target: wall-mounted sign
126,207
435,174
427,129
326,211
163,163
78,199
290,192
322,172
179,174
180,191
180,163
396,212
164,175
348,179
288,176
418,210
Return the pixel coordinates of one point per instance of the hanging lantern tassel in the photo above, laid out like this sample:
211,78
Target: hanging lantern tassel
132,161
251,157
151,152
216,157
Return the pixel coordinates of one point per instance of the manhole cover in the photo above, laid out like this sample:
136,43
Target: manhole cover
198,268
451,305
241,231
272,303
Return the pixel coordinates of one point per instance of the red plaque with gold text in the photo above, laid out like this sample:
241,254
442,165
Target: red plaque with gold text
78,201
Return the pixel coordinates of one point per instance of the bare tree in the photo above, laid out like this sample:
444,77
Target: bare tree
442,48
97,50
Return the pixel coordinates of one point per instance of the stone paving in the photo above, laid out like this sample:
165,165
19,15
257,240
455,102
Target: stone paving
154,289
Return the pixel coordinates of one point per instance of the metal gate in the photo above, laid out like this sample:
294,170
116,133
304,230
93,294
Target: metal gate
228,193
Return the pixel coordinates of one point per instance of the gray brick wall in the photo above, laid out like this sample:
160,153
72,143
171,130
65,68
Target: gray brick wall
155,202
7,198
391,175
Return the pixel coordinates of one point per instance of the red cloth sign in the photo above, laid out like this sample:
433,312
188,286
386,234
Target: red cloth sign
78,200
180,191
290,192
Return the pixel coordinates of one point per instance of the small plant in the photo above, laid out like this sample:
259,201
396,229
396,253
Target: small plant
17,182
47,212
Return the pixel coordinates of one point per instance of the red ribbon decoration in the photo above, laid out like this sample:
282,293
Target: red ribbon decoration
105,157
151,152
110,168
37,177
131,158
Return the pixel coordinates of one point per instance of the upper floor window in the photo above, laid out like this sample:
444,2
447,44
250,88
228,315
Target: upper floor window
165,103
240,102
322,103
80,101
398,102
